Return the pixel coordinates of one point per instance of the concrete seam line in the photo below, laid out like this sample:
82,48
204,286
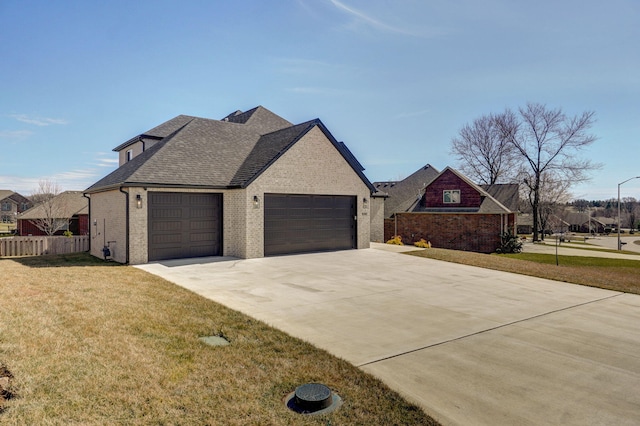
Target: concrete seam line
488,329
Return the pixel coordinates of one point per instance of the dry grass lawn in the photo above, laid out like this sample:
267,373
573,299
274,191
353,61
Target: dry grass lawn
87,342
612,274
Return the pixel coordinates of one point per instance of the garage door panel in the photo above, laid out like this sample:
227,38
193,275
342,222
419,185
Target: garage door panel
166,239
202,237
166,226
184,225
303,223
166,213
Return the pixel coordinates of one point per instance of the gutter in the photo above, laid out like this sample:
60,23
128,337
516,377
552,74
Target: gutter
126,225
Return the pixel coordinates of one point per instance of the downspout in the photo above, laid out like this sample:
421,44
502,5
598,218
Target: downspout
126,226
88,224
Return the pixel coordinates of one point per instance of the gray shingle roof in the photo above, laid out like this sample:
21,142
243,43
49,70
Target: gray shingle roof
267,149
508,194
5,193
259,117
158,132
68,204
227,153
405,193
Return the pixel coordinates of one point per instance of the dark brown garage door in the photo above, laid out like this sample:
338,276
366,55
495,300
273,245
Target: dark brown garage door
184,225
305,223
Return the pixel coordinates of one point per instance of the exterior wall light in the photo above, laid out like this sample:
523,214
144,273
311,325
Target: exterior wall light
365,203
139,201
256,201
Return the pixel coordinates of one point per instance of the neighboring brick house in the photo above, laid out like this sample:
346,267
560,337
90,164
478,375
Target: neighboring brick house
249,185
70,209
450,211
12,204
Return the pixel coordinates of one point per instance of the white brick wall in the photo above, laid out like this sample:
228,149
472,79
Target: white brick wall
377,219
107,224
312,166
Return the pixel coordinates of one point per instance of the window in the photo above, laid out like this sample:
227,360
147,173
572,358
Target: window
129,155
451,196
6,206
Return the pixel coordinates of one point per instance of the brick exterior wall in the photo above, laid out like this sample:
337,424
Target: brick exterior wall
469,196
377,219
107,223
456,231
311,166
78,225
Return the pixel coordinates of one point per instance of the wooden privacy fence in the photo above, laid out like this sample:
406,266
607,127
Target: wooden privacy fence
37,246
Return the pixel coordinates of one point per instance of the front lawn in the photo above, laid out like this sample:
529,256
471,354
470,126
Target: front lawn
612,274
88,342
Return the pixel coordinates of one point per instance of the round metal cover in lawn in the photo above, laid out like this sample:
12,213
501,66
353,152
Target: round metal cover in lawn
313,398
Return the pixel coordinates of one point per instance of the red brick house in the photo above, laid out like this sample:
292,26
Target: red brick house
452,212
71,209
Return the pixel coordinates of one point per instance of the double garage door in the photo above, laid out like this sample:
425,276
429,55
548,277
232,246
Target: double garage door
306,223
183,225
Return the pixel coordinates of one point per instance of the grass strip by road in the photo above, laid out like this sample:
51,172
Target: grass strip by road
88,342
612,274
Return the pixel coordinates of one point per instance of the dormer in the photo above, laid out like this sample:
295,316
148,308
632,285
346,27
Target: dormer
134,147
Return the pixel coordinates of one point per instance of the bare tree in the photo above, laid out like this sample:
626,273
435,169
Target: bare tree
548,143
581,205
482,153
51,208
554,194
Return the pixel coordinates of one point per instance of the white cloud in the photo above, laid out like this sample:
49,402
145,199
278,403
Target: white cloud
361,17
75,180
108,162
38,121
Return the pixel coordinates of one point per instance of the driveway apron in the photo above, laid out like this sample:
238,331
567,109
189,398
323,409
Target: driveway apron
469,345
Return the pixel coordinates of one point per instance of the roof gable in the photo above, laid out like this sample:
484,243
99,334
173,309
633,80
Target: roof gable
226,153
473,197
4,193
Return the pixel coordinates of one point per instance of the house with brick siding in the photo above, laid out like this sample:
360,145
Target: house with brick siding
249,185
452,212
11,205
67,211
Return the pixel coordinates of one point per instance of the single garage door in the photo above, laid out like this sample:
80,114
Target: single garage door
184,225
305,223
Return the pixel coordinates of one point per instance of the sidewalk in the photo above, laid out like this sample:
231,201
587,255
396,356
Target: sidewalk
569,249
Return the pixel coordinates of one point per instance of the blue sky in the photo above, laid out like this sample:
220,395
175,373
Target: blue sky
395,80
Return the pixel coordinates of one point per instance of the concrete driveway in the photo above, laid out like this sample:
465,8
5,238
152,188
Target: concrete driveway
470,345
